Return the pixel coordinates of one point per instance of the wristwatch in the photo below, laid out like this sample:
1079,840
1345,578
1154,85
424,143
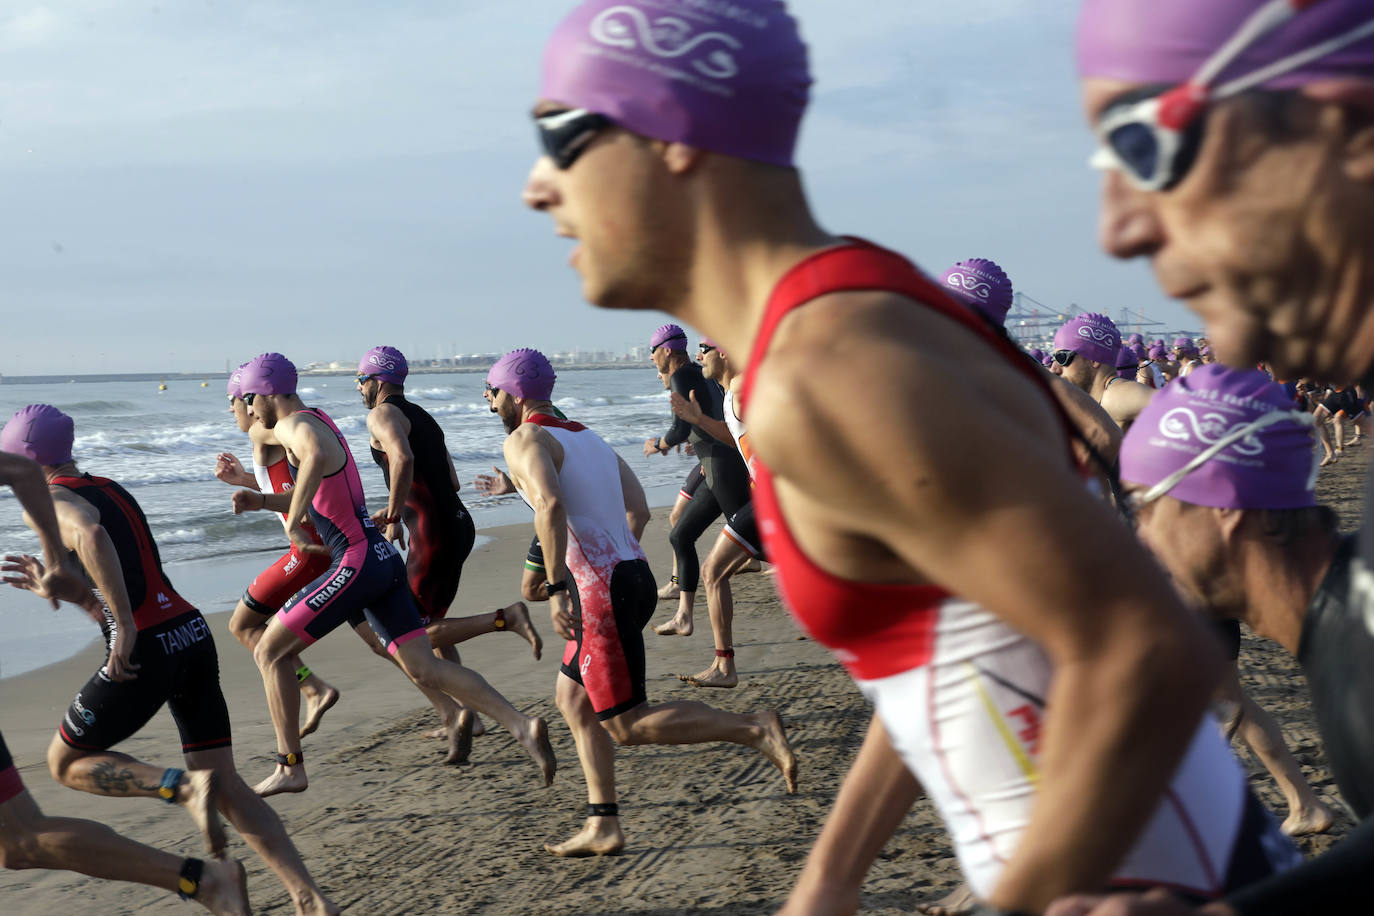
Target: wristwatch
554,588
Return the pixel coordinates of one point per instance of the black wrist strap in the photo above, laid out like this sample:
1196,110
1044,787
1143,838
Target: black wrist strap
188,884
554,588
603,810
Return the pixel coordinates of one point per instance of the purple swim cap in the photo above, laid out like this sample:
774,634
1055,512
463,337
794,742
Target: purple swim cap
1135,339
1047,361
236,382
524,373
1141,353
981,284
1158,352
1125,362
1166,41
386,363
1038,355
670,337
729,76
1172,446
1091,336
270,373
41,432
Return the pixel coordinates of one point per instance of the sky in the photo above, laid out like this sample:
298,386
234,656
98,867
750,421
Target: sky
187,183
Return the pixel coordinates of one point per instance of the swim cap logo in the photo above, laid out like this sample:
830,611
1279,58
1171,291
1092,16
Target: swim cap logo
1099,335
385,365
1182,424
667,37
972,284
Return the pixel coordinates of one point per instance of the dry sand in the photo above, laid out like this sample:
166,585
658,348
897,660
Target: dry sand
386,829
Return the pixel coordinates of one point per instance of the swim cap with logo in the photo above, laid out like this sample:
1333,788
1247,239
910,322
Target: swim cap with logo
386,363
729,76
236,382
523,373
1166,41
270,373
670,337
41,432
1091,336
1125,362
980,283
1270,466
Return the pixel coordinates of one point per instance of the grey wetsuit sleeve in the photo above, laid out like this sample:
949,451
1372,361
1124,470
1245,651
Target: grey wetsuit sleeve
1326,884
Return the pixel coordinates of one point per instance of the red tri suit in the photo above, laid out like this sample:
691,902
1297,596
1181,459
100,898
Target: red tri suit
616,593
962,694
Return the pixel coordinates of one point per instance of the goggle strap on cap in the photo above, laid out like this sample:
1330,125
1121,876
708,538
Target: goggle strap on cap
1294,61
1240,432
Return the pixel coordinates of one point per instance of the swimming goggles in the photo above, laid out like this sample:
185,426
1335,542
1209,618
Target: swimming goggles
1153,136
565,135
1064,357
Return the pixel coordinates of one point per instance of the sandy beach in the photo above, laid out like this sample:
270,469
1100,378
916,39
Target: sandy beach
386,829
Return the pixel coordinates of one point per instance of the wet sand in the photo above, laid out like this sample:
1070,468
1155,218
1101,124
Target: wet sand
386,829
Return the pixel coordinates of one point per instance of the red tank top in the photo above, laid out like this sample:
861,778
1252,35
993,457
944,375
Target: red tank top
282,480
876,630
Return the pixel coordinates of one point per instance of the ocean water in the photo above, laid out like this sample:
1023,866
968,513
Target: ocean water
161,445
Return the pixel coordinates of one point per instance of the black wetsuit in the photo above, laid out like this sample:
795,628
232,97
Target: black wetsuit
1337,656
726,476
441,530
179,665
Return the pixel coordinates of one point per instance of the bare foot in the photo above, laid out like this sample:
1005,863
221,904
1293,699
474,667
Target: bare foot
1328,460
711,677
198,798
668,591
776,748
959,902
675,627
316,708
1308,820
534,738
479,729
460,738
754,565
223,888
518,621
600,836
283,779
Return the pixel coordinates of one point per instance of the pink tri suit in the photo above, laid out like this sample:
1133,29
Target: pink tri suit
367,579
616,592
960,693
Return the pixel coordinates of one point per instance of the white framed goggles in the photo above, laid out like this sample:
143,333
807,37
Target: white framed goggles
1153,140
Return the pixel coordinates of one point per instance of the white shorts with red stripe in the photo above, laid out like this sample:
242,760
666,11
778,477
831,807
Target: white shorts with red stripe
968,725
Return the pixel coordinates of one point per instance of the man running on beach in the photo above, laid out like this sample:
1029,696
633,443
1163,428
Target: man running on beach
366,582
160,652
422,492
725,487
589,511
1230,508
738,542
292,571
880,503
28,837
1086,349
1253,204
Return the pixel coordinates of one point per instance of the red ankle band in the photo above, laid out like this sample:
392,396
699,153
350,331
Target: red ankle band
725,653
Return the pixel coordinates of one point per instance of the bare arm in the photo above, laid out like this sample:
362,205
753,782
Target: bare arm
1125,400
954,521
688,409
82,532
875,796
532,469
636,503
59,580
387,425
316,455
